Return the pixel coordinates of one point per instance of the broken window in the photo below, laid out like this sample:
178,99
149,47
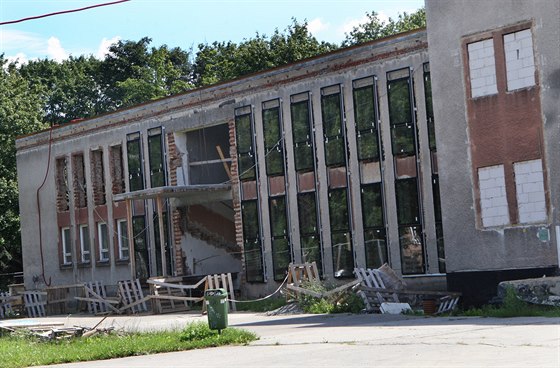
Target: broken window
66,243
374,227
141,257
365,119
410,229
98,177
117,169
157,162
302,132
245,146
435,177
281,253
342,252
208,153
62,189
333,134
273,145
165,244
85,252
122,236
400,114
252,241
103,241
308,229
134,156
80,190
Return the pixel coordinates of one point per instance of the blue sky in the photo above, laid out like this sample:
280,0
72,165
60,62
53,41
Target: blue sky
181,23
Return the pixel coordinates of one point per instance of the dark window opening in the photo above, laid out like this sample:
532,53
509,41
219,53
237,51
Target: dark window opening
134,156
209,155
274,151
156,158
366,127
376,247
374,228
141,256
117,170
302,136
335,146
252,243
439,224
403,132
308,229
429,107
412,249
62,189
281,252
342,251
245,150
166,245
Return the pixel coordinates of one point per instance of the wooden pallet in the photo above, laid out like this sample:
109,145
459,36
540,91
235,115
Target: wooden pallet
6,300
170,294
221,281
132,296
35,302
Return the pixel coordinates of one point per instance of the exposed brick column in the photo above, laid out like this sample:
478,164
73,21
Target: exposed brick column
174,162
236,196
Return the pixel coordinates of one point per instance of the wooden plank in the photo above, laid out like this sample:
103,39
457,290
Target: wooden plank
304,291
98,297
411,292
161,234
315,269
175,297
341,288
140,294
135,304
177,286
223,159
232,295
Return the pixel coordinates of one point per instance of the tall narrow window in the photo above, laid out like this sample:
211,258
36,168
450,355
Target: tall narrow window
252,241
369,156
333,133
103,241
122,238
302,133
66,244
157,162
98,177
245,144
281,253
166,245
85,244
520,61
482,68
141,256
308,229
405,147
134,156
435,176
273,144
342,252
80,189
117,169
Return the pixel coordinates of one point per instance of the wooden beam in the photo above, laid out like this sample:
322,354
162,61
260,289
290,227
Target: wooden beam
161,235
130,235
223,158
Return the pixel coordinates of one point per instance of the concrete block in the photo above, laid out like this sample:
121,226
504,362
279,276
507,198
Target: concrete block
475,46
395,308
509,38
545,290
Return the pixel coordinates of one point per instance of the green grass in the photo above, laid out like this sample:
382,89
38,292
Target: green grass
513,307
23,351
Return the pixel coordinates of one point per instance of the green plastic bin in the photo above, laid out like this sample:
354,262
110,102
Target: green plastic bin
217,308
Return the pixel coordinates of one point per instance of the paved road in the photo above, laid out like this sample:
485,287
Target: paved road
355,341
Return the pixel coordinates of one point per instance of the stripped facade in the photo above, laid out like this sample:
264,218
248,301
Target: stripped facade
331,160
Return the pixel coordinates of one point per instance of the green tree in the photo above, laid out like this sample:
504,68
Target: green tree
375,28
20,113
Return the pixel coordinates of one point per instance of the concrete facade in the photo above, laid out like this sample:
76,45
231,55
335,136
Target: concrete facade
515,125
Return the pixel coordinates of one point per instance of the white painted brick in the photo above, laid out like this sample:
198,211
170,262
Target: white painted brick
474,46
520,68
529,81
526,33
493,200
509,38
528,62
476,64
526,72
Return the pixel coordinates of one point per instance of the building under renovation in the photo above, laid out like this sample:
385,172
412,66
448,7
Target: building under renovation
341,159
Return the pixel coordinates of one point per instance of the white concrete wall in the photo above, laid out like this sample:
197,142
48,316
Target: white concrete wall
482,66
493,200
520,61
529,185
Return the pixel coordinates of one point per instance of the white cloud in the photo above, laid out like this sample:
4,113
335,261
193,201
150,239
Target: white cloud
19,58
103,48
13,41
316,26
55,50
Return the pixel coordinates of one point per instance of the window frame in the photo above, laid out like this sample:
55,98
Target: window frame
122,240
66,245
101,242
156,168
135,139
85,254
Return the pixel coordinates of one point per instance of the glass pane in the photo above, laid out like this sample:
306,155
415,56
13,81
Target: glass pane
343,258
140,247
303,156
136,179
399,102
338,210
157,178
367,145
437,201
253,260
440,247
334,151
428,95
311,250
281,257
244,133
271,124
300,122
372,206
250,218
376,248
402,139
431,134
332,122
407,201
364,112
275,161
412,254
307,213
278,223
123,240
246,164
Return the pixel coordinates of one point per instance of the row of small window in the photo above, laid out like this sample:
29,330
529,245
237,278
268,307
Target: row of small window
519,63
102,239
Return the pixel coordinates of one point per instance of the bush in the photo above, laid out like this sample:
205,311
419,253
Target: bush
352,303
